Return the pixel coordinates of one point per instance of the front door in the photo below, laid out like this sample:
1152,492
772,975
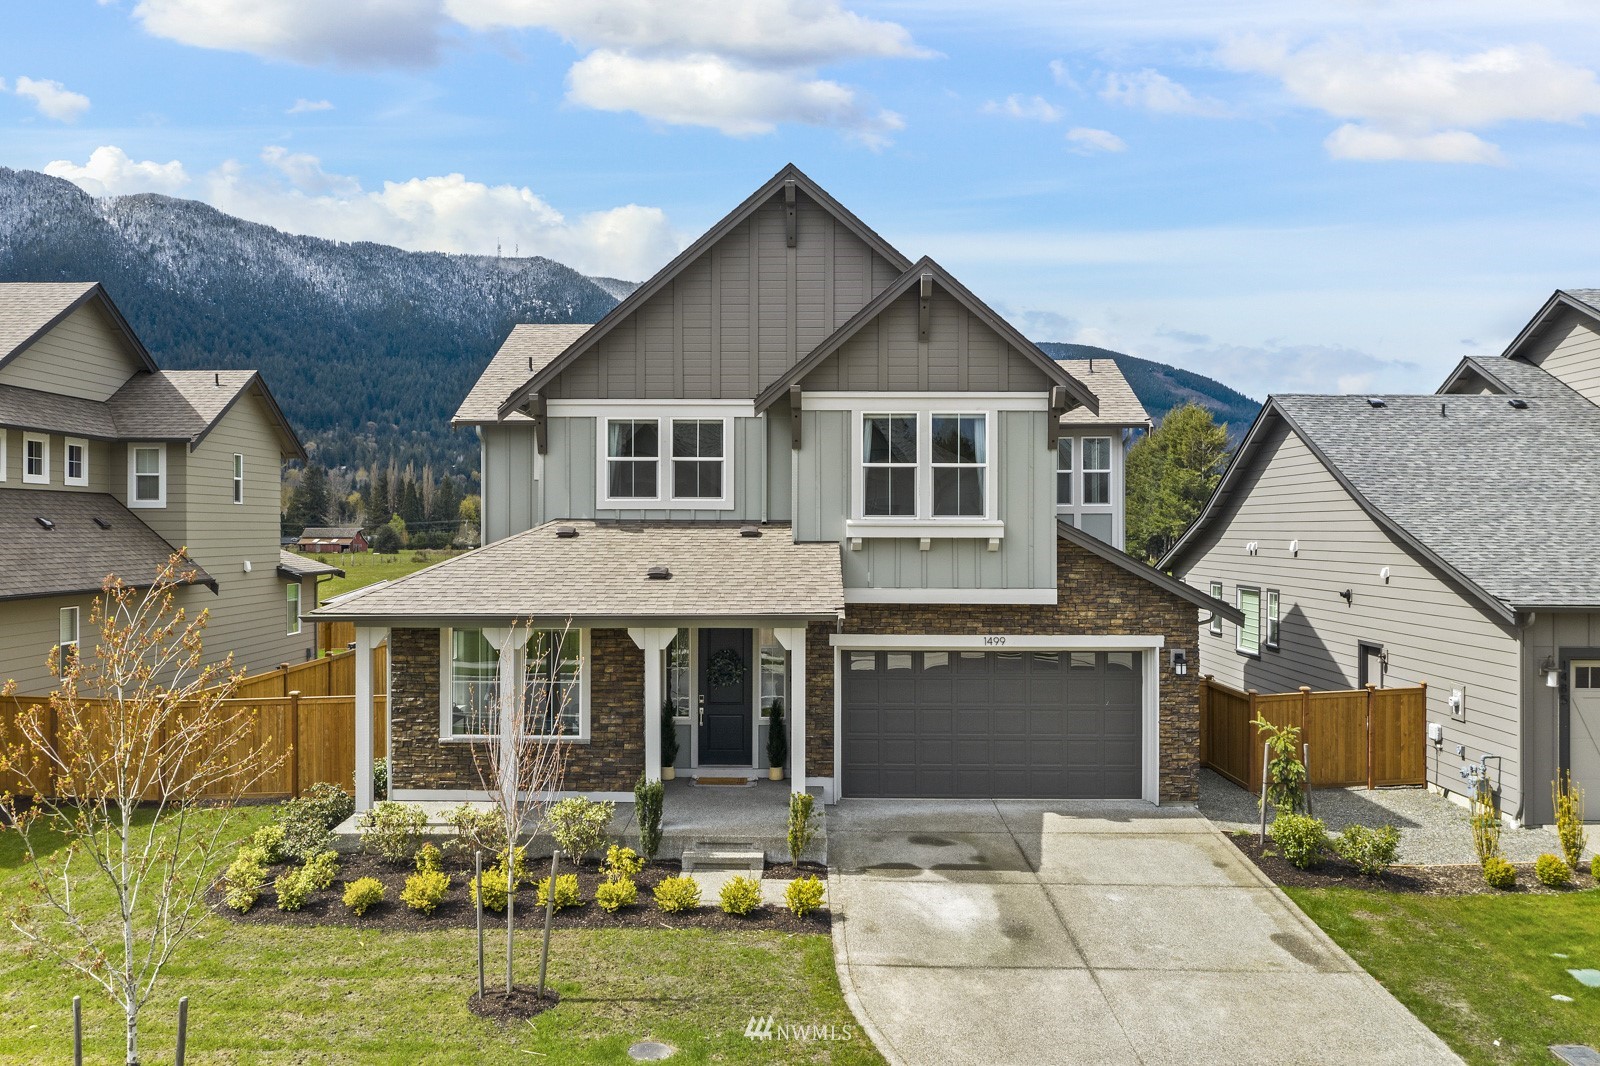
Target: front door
725,697
1583,754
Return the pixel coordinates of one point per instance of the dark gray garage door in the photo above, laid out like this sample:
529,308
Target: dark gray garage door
991,724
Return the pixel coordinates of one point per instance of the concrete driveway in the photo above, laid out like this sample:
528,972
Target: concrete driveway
1106,932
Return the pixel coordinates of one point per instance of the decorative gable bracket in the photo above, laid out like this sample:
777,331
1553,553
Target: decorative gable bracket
794,417
789,214
925,307
1060,404
541,422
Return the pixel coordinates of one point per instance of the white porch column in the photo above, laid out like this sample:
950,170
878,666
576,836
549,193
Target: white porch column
510,644
367,638
653,642
793,640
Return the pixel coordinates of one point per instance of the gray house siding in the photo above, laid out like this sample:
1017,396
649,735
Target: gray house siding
1431,631
1554,635
88,343
1568,349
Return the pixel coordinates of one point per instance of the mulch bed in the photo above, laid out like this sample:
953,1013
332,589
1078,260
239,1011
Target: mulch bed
522,1004
457,910
1334,872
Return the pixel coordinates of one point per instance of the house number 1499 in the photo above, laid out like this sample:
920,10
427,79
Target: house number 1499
994,642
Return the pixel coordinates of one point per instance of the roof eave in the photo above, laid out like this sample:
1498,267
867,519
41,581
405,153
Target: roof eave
1558,300
294,449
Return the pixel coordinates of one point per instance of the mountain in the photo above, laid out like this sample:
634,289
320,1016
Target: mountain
1161,387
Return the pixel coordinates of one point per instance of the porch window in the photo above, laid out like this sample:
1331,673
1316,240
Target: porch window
774,671
553,680
959,446
697,451
679,672
473,684
889,461
633,450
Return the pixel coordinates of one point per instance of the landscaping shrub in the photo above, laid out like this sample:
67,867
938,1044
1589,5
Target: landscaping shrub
579,825
1551,871
1286,774
477,829
1594,868
1301,838
393,831
622,864
269,838
612,896
677,894
429,858
425,889
321,869
304,835
328,802
493,888
308,821
777,737
740,896
567,894
802,829
669,733
293,888
244,878
1498,873
1568,800
380,778
363,893
648,798
520,855
803,896
1371,851
1486,824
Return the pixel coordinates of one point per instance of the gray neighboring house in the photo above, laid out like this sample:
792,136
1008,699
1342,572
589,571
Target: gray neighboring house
109,464
1452,539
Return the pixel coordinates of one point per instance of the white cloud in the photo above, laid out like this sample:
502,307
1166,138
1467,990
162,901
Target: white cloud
53,99
1030,107
353,33
1289,368
304,172
1061,74
109,171
302,106
1154,91
1086,140
708,91
1355,141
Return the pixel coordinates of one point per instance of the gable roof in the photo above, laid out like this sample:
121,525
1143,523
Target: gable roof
528,349
186,405
1584,301
643,293
330,533
295,566
898,288
1116,557
30,309
1119,405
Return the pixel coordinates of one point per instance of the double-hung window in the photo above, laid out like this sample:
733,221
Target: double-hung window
76,461
633,454
1064,472
147,475
889,466
1249,636
238,478
1273,619
293,593
1215,625
552,683
472,686
697,447
68,635
665,462
35,459
1096,470
959,446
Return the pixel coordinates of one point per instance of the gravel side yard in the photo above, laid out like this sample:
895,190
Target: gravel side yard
1433,830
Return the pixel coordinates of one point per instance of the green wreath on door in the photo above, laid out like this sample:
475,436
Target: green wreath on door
726,667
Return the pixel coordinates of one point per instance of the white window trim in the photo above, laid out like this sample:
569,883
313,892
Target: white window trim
292,595
66,461
43,477
923,523
664,498
161,474
77,631
1271,618
1238,633
446,653
1214,623
3,436
1117,507
238,477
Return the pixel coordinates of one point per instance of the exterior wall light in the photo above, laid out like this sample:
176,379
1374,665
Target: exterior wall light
1552,675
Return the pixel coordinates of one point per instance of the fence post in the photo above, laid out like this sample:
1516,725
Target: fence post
1205,720
283,679
1305,727
1372,722
1262,840
294,744
1254,714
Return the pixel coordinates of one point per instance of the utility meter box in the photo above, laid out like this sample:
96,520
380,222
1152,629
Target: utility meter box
1436,732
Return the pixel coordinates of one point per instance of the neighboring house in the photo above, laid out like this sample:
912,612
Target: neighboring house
1450,539
108,464
308,573
338,539
795,468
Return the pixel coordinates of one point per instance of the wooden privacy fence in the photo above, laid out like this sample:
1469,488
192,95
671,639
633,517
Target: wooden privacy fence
335,636
1372,736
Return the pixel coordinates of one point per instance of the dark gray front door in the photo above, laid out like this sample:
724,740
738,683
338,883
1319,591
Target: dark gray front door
992,724
725,694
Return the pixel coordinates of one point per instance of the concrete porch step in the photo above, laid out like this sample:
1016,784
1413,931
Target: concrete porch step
725,856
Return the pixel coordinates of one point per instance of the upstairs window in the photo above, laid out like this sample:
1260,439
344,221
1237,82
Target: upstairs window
77,462
633,448
697,459
1215,625
293,589
35,459
1064,472
68,635
238,478
147,475
1248,640
889,466
959,446
1096,470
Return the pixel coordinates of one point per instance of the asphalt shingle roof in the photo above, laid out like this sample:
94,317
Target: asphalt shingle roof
77,553
1588,296
1508,497
49,412
26,307
175,404
1118,404
601,573
299,566
329,532
528,350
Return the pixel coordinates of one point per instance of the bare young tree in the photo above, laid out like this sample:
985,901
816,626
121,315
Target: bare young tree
137,761
524,767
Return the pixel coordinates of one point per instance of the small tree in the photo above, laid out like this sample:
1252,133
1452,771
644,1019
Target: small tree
669,732
1567,801
139,771
1171,473
1286,773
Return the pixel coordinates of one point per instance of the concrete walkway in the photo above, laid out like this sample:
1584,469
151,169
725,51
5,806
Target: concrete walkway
1021,932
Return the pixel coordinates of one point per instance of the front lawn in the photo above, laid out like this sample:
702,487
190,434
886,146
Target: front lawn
1480,969
365,568
273,994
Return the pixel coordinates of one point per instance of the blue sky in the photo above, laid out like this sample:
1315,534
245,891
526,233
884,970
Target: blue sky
1345,196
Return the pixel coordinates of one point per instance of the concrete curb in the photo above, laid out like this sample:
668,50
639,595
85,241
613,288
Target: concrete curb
841,966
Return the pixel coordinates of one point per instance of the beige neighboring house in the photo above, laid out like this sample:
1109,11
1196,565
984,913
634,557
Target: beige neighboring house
108,464
1452,539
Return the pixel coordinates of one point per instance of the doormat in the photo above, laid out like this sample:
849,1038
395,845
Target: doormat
725,782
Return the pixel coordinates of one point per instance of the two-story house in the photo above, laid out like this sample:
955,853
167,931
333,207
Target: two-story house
795,468
109,464
1450,539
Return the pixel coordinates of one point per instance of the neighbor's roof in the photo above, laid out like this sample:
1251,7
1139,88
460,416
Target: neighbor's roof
186,404
601,573
91,535
1118,404
298,566
28,309
1502,498
528,350
330,532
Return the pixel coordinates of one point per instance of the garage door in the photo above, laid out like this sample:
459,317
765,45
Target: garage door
991,724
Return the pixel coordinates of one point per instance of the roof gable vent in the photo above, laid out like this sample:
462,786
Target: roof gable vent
658,573
749,531
1376,401
45,522
101,522
1519,403
566,532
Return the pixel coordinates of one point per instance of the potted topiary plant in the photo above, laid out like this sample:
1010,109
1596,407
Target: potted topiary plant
777,742
669,739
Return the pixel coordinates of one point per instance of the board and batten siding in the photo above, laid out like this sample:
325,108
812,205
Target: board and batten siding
1552,634
739,316
1569,350
1432,632
85,341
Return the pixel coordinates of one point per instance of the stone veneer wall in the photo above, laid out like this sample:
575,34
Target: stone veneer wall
610,762
1095,598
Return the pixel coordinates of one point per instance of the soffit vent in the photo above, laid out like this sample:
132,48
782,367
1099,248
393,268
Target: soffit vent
566,532
46,523
658,573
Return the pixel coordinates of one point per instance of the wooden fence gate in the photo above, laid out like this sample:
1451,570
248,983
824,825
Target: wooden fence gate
1373,736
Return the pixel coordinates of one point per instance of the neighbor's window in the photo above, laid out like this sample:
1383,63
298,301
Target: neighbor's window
68,637
1249,638
1064,472
77,461
697,451
553,680
889,462
35,459
774,673
293,592
147,475
473,683
959,450
238,478
1272,618
1096,470
633,451
1216,619
679,673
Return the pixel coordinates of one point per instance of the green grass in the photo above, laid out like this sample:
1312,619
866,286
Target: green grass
1476,969
364,568
292,995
